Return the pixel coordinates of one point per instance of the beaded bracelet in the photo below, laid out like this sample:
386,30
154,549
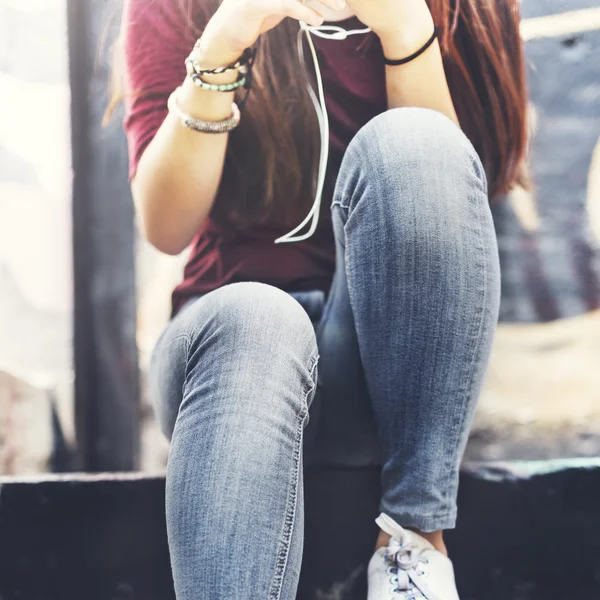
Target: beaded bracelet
244,65
223,87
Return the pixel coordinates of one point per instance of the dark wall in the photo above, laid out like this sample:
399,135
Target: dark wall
528,531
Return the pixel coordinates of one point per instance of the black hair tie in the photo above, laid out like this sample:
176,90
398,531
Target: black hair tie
403,61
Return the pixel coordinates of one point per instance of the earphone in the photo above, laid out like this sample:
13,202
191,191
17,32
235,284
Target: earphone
331,32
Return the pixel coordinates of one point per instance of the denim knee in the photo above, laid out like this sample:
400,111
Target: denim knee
237,335
409,146
412,172
244,315
404,133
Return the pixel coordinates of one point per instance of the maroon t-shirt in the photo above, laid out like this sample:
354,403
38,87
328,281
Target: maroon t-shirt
156,47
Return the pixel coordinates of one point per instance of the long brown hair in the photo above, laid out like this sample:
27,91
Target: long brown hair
271,160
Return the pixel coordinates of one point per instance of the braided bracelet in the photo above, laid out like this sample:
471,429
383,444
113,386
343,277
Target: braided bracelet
190,122
193,66
244,64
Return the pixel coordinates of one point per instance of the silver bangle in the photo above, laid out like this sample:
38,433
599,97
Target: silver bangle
204,126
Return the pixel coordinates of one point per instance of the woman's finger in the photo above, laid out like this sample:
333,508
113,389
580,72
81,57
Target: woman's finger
299,11
336,5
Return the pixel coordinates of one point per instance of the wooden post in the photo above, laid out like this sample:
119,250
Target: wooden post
106,362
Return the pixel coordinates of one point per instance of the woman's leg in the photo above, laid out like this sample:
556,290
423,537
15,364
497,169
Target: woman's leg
421,262
232,379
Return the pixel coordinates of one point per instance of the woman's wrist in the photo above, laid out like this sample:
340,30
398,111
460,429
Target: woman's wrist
401,42
206,105
203,104
212,51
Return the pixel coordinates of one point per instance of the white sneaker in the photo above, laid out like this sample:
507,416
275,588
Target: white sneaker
409,568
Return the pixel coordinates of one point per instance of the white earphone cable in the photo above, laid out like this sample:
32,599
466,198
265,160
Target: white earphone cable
328,32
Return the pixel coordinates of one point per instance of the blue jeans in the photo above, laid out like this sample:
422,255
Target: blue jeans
402,341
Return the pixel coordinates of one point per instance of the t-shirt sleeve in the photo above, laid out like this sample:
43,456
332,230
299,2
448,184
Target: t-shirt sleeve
156,41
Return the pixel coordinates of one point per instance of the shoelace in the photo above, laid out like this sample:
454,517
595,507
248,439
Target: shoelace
402,554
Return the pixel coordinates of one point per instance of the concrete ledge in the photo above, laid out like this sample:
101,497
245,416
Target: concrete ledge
527,531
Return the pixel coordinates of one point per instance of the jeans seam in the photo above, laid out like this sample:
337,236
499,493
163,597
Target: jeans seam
292,501
446,514
188,344
426,522
312,365
329,303
451,465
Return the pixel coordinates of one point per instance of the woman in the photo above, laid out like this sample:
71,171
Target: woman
393,300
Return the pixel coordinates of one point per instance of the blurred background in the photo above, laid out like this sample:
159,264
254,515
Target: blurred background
82,298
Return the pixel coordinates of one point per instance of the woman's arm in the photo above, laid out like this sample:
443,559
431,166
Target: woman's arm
174,171
422,81
177,176
179,173
403,27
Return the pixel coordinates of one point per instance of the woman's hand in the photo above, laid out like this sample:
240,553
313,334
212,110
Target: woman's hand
237,24
403,26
